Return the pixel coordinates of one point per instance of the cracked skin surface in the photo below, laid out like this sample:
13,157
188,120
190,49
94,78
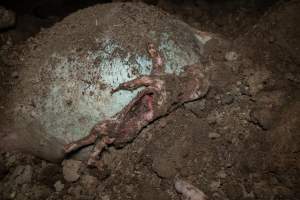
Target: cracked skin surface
162,94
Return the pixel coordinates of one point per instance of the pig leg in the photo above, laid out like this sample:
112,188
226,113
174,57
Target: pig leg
134,84
100,145
89,139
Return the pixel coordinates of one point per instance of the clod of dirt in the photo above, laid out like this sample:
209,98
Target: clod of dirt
196,107
49,174
71,170
258,80
214,135
59,186
231,56
22,174
263,117
89,183
227,99
215,185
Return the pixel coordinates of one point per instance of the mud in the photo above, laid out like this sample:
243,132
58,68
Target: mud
240,142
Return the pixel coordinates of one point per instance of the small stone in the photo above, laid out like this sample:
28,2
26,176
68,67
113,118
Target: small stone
59,186
212,119
231,56
215,185
71,170
214,135
262,117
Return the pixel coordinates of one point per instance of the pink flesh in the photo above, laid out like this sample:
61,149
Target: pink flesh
135,124
149,115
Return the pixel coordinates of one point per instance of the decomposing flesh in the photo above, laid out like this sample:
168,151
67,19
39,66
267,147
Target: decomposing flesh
162,93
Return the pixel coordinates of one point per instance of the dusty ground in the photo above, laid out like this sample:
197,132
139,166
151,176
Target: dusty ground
240,142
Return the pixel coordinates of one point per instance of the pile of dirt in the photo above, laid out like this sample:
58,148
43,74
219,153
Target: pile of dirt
240,142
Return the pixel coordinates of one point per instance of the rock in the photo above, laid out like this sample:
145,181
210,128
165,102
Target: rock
7,18
22,174
214,135
231,56
71,170
59,186
262,117
189,191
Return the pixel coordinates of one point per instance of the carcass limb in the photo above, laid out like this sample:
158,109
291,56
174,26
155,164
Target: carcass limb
134,84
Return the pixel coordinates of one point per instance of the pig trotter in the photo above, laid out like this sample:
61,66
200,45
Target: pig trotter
90,139
104,141
134,84
99,129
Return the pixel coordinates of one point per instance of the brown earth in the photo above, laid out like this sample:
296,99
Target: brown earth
241,142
